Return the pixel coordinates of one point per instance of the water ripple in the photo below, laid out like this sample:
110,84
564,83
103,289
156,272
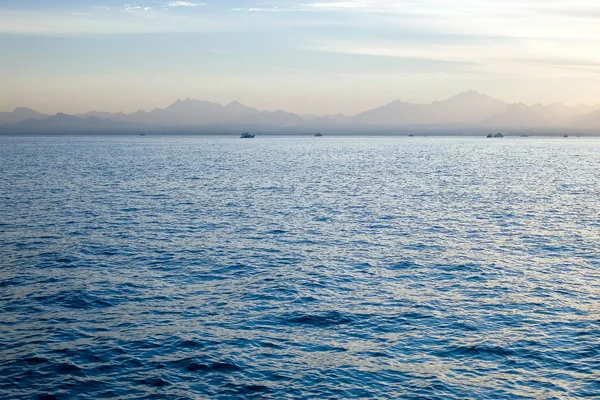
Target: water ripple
186,267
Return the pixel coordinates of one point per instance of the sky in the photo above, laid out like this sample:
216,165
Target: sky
309,57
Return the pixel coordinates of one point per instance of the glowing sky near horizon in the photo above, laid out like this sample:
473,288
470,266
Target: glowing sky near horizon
302,56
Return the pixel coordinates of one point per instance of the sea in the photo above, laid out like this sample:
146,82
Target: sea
199,267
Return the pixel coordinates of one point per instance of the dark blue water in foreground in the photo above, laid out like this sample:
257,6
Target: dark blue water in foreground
191,268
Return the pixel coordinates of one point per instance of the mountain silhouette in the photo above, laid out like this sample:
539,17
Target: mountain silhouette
567,112
20,114
467,112
64,123
188,112
590,121
466,107
521,115
198,112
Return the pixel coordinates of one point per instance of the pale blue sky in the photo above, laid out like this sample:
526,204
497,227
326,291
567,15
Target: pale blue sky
306,57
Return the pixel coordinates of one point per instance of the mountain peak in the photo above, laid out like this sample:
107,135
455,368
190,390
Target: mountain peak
465,107
24,110
473,99
184,101
236,105
188,105
63,116
470,94
396,102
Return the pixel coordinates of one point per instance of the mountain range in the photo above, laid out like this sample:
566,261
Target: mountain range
467,112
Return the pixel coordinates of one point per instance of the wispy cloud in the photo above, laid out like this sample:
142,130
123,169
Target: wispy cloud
130,19
339,4
486,33
184,4
134,7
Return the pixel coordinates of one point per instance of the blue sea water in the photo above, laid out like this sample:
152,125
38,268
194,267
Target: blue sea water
326,268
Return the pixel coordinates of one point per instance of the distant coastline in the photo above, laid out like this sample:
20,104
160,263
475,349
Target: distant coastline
466,114
236,134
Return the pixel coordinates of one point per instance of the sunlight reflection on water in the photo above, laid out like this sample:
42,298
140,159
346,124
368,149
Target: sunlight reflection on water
190,267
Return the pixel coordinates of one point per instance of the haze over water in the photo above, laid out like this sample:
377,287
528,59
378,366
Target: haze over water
299,267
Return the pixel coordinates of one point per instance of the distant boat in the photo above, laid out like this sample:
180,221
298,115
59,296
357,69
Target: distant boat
318,134
411,135
246,135
566,136
524,135
142,134
490,135
498,135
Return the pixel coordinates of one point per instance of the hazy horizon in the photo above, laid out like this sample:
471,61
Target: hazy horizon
232,101
305,57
